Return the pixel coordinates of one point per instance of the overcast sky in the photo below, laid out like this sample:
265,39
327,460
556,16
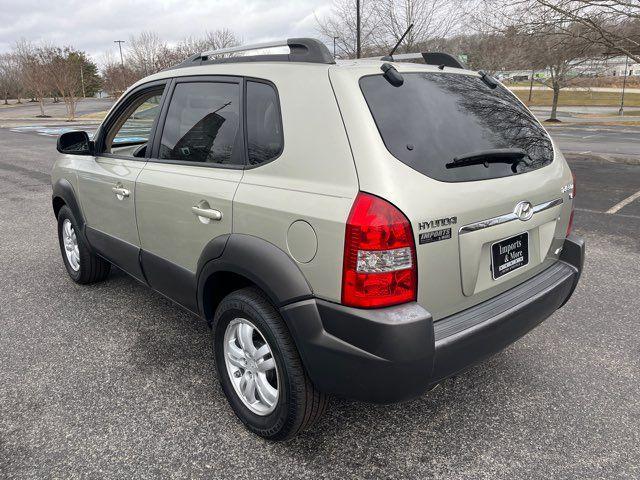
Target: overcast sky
92,26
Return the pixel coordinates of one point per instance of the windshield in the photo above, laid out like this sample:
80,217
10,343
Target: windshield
435,117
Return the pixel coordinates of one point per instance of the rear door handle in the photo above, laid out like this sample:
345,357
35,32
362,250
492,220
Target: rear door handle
205,215
120,192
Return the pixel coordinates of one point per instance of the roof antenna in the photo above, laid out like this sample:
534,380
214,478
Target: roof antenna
389,58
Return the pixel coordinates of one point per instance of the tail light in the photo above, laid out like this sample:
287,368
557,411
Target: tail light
572,196
379,267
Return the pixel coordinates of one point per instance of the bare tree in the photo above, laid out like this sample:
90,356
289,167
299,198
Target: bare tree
219,39
612,24
213,40
431,19
64,70
562,56
339,26
33,61
10,84
147,54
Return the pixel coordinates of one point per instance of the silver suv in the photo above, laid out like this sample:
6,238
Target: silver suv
364,229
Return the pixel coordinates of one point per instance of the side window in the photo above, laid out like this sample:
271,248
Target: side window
129,134
264,125
202,123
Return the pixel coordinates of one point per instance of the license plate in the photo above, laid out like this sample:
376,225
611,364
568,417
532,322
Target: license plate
509,255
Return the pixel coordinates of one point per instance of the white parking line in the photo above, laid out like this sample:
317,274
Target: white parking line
624,202
604,213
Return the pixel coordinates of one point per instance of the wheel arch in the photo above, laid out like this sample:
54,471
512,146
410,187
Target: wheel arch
243,261
64,194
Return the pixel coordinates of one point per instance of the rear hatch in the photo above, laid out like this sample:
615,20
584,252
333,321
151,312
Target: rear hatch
475,173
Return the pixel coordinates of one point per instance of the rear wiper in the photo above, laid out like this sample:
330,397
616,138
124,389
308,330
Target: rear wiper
496,155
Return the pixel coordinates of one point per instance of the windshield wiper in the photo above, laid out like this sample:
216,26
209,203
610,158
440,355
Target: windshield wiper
496,155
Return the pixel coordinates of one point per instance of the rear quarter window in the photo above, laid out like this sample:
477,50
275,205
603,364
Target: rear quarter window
434,117
264,124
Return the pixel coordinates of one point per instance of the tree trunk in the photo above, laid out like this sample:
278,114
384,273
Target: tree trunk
70,103
41,101
554,103
6,98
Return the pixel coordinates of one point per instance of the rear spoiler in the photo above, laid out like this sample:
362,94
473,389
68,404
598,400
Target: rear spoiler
430,58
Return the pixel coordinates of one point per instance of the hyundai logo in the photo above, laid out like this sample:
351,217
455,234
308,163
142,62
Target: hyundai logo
524,211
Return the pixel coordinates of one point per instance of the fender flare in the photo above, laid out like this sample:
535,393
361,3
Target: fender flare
258,261
63,190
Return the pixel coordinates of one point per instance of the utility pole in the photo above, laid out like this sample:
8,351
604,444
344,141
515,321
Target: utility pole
358,45
120,42
624,85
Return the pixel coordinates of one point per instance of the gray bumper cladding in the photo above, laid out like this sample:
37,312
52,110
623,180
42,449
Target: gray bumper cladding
396,353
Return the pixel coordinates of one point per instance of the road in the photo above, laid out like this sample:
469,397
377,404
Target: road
29,110
596,139
113,380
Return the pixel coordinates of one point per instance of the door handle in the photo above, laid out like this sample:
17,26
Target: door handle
120,192
205,215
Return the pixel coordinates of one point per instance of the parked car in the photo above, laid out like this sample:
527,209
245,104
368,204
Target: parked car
362,228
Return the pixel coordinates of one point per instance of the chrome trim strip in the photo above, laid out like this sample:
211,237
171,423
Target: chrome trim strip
508,217
547,205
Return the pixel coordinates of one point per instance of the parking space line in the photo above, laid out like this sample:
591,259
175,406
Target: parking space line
589,210
624,202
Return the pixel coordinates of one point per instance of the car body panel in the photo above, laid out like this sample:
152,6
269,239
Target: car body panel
165,195
452,275
103,209
313,180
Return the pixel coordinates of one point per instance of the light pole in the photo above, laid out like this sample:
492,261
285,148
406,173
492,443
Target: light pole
533,72
624,85
358,46
84,94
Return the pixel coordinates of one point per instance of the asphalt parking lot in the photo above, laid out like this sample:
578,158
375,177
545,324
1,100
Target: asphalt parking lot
612,140
113,380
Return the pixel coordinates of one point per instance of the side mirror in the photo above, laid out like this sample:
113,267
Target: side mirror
75,143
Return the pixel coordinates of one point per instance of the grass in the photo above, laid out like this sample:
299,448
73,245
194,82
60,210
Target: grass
94,115
570,98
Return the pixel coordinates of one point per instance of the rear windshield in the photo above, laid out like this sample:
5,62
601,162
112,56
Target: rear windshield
434,118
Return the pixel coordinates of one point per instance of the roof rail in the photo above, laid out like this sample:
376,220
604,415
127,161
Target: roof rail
430,58
306,50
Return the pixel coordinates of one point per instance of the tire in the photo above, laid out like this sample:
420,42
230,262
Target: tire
299,404
89,268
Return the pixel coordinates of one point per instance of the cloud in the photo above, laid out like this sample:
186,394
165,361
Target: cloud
93,26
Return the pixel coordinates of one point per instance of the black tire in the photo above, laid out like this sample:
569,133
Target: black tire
299,403
92,268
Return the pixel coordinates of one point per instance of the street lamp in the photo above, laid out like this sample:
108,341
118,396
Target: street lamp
84,93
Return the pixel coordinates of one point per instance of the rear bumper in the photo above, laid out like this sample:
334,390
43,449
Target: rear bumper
396,353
